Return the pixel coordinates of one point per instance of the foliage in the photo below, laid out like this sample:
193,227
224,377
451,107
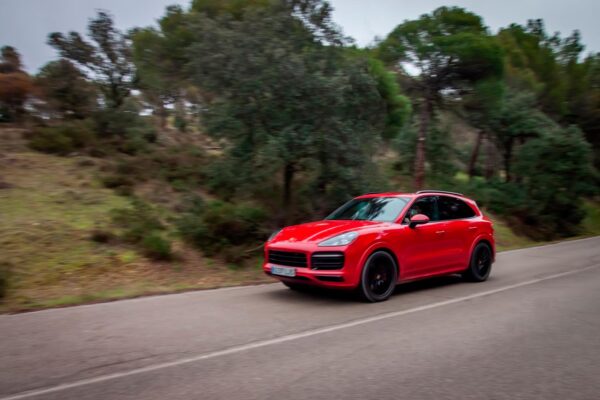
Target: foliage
156,247
552,174
15,85
64,138
451,49
514,120
136,222
66,90
439,151
132,131
106,60
555,173
287,104
398,106
216,225
158,59
298,119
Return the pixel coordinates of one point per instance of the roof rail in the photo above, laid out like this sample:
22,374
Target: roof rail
439,191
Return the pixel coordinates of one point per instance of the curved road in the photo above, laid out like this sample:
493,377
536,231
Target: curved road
531,332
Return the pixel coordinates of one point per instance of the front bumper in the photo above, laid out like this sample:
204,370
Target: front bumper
343,278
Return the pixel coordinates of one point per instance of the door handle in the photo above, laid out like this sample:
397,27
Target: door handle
440,232
472,228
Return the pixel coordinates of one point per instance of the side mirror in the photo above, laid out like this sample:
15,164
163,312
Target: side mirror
418,219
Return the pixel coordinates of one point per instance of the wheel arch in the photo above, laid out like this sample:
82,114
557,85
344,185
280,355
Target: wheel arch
488,243
385,249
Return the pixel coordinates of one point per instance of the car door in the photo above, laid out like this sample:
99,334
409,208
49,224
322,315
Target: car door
459,232
421,247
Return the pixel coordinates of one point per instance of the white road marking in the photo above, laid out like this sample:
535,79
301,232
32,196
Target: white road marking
282,339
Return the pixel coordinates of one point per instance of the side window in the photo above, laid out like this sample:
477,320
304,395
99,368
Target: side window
452,208
424,205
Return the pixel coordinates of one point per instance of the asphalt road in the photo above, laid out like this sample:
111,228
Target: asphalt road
531,332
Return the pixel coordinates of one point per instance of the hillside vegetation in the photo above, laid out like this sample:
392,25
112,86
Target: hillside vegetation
161,158
55,211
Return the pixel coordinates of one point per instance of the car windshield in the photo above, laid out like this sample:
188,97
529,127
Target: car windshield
382,209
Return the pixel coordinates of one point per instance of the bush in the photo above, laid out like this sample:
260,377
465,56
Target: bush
113,181
136,222
553,175
64,138
101,236
4,275
124,122
51,140
156,247
217,225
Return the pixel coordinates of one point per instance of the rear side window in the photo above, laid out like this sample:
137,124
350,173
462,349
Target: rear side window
453,208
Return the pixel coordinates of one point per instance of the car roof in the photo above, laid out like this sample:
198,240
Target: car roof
408,194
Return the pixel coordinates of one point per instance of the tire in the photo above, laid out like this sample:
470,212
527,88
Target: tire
378,277
480,265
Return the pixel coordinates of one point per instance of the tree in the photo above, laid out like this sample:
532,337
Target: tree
106,60
287,100
515,120
480,105
15,85
160,57
556,172
398,106
66,90
449,49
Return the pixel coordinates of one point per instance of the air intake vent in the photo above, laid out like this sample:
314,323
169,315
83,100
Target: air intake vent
327,260
287,258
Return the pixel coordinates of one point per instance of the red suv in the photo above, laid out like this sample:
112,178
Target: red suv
378,240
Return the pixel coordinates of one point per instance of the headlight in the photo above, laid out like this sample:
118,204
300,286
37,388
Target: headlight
340,240
273,235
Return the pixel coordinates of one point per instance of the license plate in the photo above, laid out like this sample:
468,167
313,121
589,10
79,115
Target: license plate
283,271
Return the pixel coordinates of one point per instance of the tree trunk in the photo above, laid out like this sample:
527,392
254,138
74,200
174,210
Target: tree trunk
162,114
420,151
288,176
489,157
475,154
507,160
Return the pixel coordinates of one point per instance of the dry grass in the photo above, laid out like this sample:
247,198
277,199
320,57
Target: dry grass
48,208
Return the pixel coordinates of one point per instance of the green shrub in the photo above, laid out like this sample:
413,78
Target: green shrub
50,140
64,138
156,247
4,275
99,235
136,222
113,181
124,122
215,225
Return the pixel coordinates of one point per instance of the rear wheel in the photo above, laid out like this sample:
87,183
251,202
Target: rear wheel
481,264
378,277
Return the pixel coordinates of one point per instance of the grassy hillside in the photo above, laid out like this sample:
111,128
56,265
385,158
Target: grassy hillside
50,207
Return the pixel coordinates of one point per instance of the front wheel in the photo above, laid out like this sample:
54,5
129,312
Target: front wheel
378,277
481,264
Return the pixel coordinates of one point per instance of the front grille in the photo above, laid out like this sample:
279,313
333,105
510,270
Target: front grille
287,258
327,260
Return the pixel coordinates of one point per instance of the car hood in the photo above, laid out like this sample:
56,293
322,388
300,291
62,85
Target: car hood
321,230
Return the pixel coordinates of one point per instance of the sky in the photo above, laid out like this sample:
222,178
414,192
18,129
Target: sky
25,24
